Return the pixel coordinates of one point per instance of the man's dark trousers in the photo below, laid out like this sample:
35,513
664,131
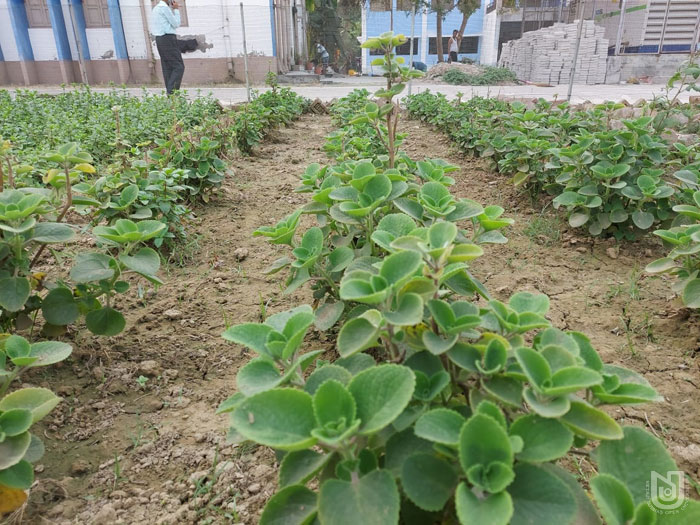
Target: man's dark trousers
171,61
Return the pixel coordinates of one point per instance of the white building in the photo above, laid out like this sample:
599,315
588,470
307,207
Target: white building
101,41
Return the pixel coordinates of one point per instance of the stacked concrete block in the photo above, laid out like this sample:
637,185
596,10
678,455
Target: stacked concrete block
547,55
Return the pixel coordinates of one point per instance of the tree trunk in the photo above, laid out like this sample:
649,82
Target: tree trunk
438,41
463,25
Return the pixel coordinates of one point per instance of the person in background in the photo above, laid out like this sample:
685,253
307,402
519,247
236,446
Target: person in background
323,54
164,22
453,46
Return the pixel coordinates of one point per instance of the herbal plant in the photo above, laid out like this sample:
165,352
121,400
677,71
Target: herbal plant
611,181
362,205
396,76
102,123
275,107
441,408
683,80
683,261
138,192
461,419
93,276
19,410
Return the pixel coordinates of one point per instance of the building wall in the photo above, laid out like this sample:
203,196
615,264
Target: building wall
217,23
377,22
607,15
489,40
7,39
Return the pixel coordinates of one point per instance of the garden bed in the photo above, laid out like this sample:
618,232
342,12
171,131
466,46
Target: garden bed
165,434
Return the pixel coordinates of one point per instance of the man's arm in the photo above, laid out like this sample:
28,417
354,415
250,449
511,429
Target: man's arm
172,16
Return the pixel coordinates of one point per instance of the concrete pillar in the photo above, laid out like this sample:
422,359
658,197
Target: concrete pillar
80,36
20,28
115,20
58,24
4,77
424,37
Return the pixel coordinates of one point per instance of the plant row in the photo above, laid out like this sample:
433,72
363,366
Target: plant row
443,404
135,205
619,182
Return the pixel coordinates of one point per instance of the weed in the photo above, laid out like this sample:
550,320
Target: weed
544,230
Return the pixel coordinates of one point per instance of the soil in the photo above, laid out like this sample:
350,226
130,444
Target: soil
136,439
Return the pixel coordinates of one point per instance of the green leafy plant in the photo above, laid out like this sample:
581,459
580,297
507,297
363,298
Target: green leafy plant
21,408
489,77
441,407
683,261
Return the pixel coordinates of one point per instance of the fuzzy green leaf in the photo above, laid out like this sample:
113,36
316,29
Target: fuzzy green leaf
543,439
494,509
590,422
381,394
440,425
613,499
282,418
293,505
632,460
428,481
370,500
540,497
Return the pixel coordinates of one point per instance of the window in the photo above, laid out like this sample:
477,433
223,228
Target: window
96,13
380,5
37,13
470,44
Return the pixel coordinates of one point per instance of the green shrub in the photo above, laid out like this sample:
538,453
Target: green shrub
490,76
445,404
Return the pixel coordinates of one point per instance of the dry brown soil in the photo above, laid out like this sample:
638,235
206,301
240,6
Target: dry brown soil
124,451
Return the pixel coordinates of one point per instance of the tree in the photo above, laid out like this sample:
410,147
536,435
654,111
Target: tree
441,8
467,8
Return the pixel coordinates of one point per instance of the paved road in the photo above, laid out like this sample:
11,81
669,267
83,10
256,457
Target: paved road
326,92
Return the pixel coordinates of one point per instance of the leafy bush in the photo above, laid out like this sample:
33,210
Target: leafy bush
139,193
94,275
268,110
35,122
683,261
490,76
19,410
612,181
441,408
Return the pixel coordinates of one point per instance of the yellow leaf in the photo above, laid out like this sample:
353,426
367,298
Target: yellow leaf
11,499
85,167
51,175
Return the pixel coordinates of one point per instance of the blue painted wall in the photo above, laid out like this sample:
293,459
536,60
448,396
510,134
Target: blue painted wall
115,20
380,21
20,26
80,26
59,29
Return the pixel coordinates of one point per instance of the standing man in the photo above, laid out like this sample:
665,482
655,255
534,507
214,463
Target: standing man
165,20
453,46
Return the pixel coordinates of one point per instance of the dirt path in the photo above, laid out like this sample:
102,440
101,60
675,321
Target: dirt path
598,288
122,452
126,453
